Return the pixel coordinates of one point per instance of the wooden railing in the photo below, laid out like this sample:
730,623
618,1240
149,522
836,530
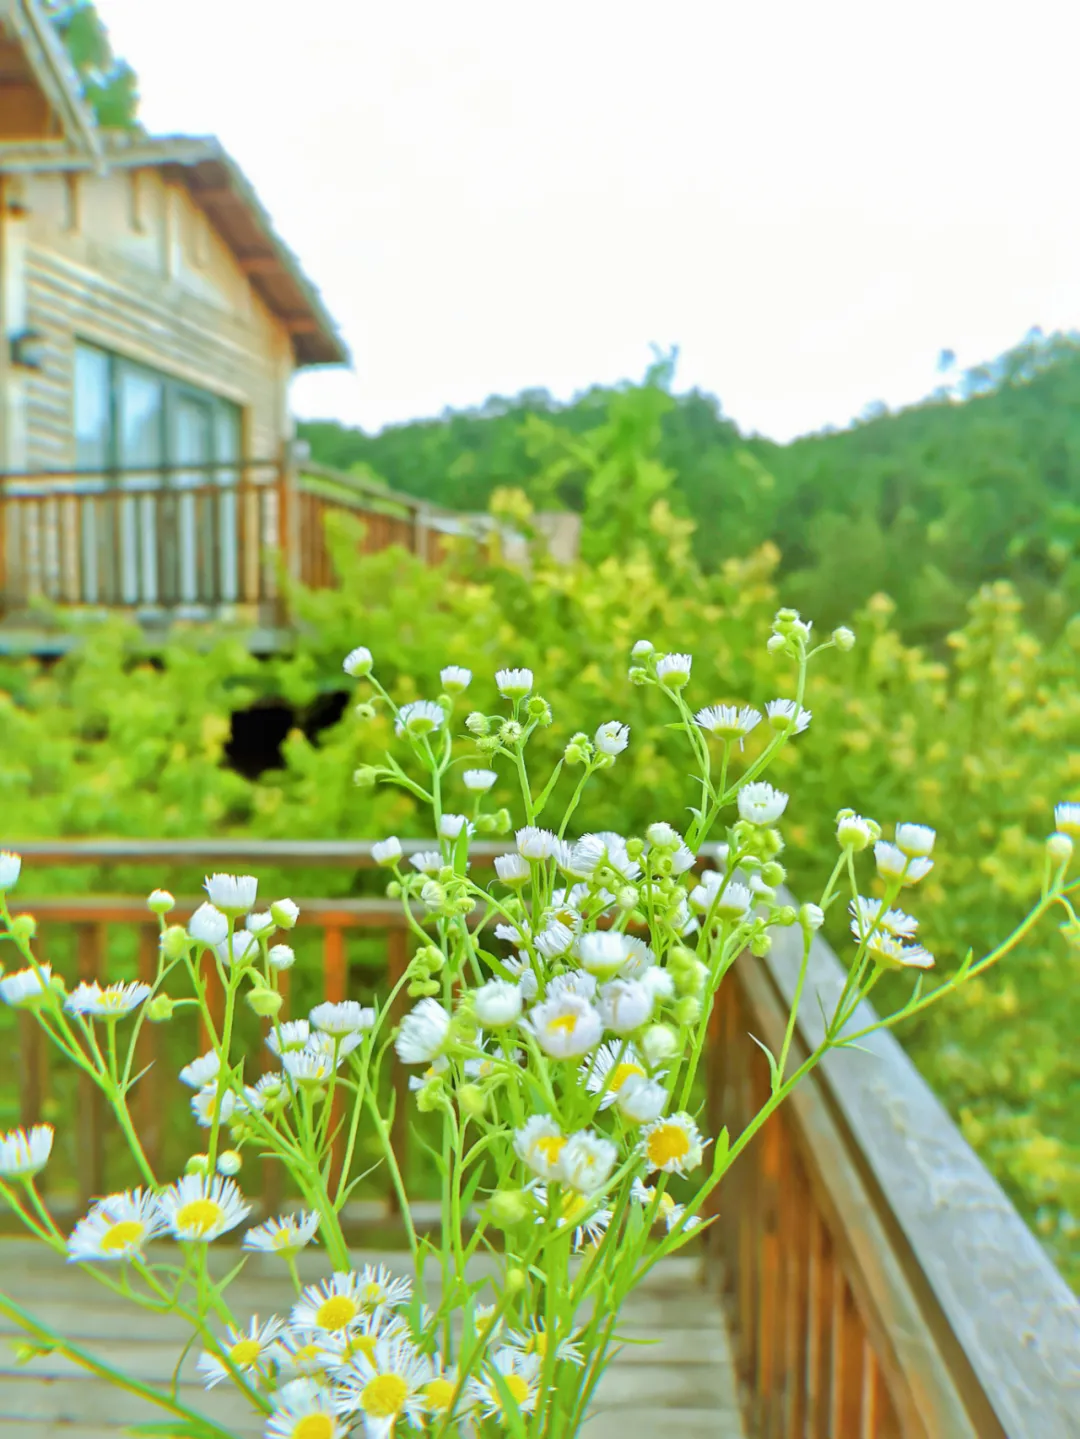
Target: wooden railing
193,538
880,1284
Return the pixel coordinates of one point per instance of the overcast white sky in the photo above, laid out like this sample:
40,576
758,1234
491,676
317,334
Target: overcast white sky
810,199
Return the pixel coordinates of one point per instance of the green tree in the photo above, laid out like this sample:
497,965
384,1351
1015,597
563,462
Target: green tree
109,83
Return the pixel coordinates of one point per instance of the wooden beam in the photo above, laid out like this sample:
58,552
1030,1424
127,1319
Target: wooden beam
301,325
213,194
260,264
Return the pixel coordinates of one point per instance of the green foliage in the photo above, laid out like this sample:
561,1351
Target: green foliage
109,84
927,504
979,739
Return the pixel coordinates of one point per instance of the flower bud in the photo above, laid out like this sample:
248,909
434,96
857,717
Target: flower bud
509,1208
159,901
811,917
843,638
265,1002
642,650
229,1162
281,956
785,916
855,833
477,723
175,942
514,1280
23,928
1059,847
637,675
160,1009
775,643
284,913
358,662
688,1009
365,710
366,777
472,1100
626,897
658,1043
760,944
773,874
197,1164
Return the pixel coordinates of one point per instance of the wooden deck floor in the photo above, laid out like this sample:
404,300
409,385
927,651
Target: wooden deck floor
687,1369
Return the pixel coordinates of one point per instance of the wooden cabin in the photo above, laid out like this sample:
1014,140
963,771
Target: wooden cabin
151,320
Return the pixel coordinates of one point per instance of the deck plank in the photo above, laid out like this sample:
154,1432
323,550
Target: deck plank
675,1367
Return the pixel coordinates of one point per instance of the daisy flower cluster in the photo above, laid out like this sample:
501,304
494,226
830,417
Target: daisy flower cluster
560,1011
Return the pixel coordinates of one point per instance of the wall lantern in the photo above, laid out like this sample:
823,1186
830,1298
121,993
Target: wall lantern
27,349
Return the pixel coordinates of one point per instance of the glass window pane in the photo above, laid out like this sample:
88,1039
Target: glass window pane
142,403
92,417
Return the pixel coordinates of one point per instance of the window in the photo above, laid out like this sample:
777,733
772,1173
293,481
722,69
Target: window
141,431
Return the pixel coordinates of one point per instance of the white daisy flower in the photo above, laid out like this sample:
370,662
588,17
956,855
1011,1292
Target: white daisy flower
625,1005
867,913
915,840
513,933
893,863
116,1228
735,898
854,832
673,1145
759,803
346,1017
305,1414
245,1349
285,913
386,1388
603,952
201,1071
883,949
358,662
201,1207
260,924
208,925
667,1211
497,1004
25,986
206,1104
333,1046
479,781
534,1340
642,1101
554,940
265,1091
455,678
674,670
587,1161
281,956
427,861
575,982
514,684
233,894
113,1002
343,1345
591,1223
240,947
565,1026
438,1392
386,851
728,722
286,1235
611,1068
639,960
437,1067
659,983
512,869
535,844
540,1143
10,866
420,717
309,1065
160,901
612,738
293,1035
518,1378
451,826
1067,819
786,717
423,1033
24,1153
593,852
307,1353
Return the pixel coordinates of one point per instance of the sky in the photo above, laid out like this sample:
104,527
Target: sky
811,201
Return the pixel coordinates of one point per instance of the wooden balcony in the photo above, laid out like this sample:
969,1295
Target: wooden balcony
186,543
877,1282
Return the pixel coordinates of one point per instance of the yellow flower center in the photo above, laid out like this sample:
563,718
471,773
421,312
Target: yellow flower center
121,1235
564,1024
483,1323
361,1344
314,1426
283,1239
667,1204
201,1216
335,1313
308,1354
519,1389
574,1206
549,1147
438,1394
372,1294
245,1353
383,1396
537,1344
668,1144
621,1073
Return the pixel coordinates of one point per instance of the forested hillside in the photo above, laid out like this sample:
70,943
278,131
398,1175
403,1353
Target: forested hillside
979,482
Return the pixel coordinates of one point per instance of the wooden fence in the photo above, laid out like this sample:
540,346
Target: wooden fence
880,1284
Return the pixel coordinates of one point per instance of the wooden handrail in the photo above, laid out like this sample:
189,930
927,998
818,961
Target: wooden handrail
881,1285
